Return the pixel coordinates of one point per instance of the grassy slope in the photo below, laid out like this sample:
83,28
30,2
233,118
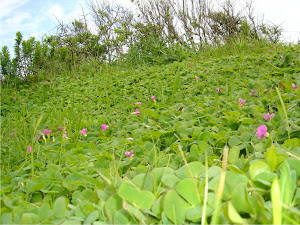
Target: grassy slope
108,95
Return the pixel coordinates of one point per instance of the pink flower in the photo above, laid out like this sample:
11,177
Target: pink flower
262,131
83,131
183,109
218,90
241,101
253,92
268,116
130,139
270,50
104,127
65,136
197,78
137,112
153,97
41,133
139,103
266,89
129,154
29,149
294,86
12,134
47,131
60,129
281,56
38,137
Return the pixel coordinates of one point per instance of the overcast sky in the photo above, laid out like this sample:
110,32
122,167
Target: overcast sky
36,17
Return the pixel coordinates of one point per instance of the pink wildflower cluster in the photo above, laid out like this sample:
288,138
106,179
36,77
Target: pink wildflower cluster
137,112
262,131
129,154
48,132
294,86
268,116
83,131
241,101
104,127
253,92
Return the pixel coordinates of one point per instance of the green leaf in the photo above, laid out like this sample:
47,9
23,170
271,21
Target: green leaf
30,218
175,207
231,180
291,143
272,158
59,207
157,207
170,180
235,169
157,174
6,218
234,141
233,155
113,204
294,165
136,212
92,217
246,137
233,215
287,184
142,199
240,199
144,181
247,121
259,147
276,202
257,168
193,169
194,214
90,196
189,189
123,217
44,211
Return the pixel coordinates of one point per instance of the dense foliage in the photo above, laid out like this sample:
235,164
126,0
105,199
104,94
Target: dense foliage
153,32
66,143
171,112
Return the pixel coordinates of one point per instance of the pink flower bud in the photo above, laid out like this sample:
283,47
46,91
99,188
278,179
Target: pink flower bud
47,131
83,131
129,154
262,131
104,127
294,86
241,101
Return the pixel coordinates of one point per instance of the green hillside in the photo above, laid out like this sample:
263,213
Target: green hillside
200,152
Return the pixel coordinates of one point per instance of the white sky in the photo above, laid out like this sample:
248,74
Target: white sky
37,17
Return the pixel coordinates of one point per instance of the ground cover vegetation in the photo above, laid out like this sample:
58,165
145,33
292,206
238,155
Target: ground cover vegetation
162,133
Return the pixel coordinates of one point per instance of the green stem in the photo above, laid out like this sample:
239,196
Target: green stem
203,219
216,214
284,111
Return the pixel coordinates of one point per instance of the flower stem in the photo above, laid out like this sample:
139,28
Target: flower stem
284,111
